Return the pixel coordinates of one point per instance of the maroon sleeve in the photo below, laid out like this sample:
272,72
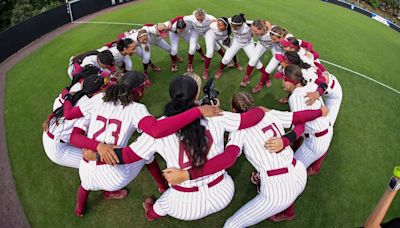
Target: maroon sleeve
315,54
63,93
251,118
298,130
220,162
322,85
320,66
50,116
301,117
167,126
307,45
175,19
129,156
79,139
71,112
77,69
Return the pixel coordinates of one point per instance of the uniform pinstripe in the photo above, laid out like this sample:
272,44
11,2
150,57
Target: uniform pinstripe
208,200
333,98
242,39
277,192
110,124
58,149
313,147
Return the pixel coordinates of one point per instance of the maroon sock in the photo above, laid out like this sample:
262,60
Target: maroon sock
316,166
145,67
221,52
152,214
207,62
200,51
81,196
222,66
289,211
190,58
264,75
173,58
249,70
155,172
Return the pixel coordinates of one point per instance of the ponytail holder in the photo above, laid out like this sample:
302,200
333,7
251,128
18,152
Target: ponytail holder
144,34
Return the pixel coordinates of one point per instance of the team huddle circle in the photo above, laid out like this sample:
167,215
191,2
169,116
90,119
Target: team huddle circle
94,117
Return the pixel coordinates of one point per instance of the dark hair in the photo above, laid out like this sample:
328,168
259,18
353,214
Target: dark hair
293,41
227,24
124,43
106,57
242,102
294,72
79,58
92,84
122,92
180,24
86,71
239,19
279,30
183,91
294,58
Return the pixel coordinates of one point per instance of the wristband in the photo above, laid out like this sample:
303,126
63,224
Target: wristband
396,171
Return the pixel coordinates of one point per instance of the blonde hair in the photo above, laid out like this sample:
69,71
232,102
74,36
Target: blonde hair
242,102
199,12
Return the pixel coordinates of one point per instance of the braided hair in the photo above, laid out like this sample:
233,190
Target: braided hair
122,93
242,102
294,58
183,91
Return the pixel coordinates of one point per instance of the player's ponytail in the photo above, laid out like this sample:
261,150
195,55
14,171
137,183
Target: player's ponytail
125,92
242,102
86,71
92,84
294,58
238,19
123,43
183,91
79,58
294,74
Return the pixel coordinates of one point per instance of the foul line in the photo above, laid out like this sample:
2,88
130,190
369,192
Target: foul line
333,64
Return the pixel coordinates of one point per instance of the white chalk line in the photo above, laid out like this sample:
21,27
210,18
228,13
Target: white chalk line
324,61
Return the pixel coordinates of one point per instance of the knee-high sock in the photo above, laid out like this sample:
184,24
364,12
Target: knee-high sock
264,75
207,62
235,60
155,172
200,51
222,66
316,166
173,58
221,52
249,70
190,58
81,198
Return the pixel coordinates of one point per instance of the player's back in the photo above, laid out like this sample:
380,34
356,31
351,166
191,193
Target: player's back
254,139
114,123
297,102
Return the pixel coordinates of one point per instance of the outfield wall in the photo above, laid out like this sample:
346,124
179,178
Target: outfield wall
365,12
20,35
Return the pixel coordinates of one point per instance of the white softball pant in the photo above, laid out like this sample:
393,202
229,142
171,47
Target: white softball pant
174,39
63,154
193,41
160,43
313,148
277,193
195,205
144,55
235,48
108,177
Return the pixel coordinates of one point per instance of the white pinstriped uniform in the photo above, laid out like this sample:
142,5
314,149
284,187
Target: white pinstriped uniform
242,39
58,149
264,44
120,60
214,35
277,192
141,48
312,147
174,37
199,29
110,124
88,60
206,201
155,39
333,94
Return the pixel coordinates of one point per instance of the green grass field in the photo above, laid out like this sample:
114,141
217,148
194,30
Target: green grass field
361,157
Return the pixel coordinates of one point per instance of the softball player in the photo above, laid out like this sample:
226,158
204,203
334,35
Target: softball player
112,118
179,29
242,39
56,136
191,147
217,36
200,23
122,53
318,133
104,60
